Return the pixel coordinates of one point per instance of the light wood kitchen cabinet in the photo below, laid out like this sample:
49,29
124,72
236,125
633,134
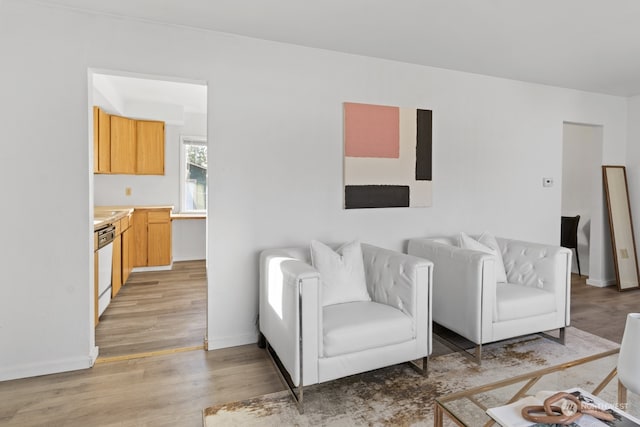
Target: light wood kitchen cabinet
122,265
127,246
101,141
152,231
150,147
116,269
123,145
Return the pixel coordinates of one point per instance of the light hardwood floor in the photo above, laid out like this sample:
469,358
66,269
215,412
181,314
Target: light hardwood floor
156,311
172,390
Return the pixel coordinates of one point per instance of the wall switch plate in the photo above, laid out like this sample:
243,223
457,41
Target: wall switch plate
547,182
127,191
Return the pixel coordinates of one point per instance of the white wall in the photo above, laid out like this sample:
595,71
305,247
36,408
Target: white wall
633,164
582,185
189,239
275,131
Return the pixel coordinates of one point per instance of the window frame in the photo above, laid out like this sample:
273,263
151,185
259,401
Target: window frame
190,140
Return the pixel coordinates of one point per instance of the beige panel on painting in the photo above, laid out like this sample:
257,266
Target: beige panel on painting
421,193
621,227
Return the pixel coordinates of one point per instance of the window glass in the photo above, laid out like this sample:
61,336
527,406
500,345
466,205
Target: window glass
193,174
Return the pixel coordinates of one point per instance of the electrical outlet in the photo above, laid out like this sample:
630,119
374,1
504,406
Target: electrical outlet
547,182
127,191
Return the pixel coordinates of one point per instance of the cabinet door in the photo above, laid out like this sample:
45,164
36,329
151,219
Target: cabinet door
140,238
116,269
159,238
159,244
150,147
96,135
126,256
101,141
123,145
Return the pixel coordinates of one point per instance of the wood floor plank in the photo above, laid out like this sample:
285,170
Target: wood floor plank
156,311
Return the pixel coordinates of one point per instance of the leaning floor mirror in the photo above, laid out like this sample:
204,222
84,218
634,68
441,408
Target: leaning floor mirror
622,238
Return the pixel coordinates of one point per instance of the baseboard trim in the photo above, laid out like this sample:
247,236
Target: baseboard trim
217,343
601,283
93,354
45,368
159,268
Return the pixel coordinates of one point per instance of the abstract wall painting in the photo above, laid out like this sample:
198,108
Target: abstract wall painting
387,156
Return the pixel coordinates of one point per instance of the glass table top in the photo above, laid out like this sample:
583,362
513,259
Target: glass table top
595,374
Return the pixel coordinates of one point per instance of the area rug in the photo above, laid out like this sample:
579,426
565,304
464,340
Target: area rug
397,395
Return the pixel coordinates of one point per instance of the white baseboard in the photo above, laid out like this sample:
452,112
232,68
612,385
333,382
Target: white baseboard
601,283
216,343
159,268
93,354
45,368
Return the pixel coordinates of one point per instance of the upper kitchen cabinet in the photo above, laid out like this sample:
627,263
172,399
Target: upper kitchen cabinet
123,145
101,141
127,146
150,147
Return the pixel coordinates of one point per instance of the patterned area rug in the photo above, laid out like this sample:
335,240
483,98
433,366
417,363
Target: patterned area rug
397,395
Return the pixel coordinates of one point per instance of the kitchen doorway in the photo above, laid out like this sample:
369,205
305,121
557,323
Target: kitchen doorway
162,306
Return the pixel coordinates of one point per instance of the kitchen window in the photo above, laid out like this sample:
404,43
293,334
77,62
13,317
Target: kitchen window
193,174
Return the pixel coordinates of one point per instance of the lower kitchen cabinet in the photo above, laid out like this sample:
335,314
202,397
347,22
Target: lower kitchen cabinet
116,270
152,231
122,260
127,260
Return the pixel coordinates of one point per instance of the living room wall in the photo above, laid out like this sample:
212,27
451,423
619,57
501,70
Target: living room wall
275,130
633,163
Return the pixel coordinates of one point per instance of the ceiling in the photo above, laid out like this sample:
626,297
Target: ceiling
191,97
591,45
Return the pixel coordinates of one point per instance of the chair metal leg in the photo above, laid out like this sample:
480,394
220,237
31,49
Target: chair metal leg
298,397
476,356
578,261
559,339
422,370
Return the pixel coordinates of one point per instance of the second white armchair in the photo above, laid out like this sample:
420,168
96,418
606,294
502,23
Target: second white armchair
468,300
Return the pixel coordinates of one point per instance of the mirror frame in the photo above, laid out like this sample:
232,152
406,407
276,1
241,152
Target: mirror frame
623,243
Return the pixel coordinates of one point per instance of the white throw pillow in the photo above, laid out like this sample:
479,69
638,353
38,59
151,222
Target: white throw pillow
489,240
341,272
489,245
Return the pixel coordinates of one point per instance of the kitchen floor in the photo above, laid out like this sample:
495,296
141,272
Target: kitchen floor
156,311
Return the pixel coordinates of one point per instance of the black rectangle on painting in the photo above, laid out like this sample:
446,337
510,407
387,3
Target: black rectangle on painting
423,145
376,196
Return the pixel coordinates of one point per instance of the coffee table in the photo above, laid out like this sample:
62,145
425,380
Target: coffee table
593,374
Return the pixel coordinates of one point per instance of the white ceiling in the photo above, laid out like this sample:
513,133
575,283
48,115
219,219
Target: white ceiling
592,45
191,97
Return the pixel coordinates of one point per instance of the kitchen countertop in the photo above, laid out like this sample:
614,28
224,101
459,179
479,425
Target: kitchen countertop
105,215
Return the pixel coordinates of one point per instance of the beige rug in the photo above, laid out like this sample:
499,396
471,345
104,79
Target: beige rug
397,395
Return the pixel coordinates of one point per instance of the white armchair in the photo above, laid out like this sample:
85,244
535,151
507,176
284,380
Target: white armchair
468,301
315,344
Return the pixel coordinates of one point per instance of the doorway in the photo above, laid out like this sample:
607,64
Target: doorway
582,194
159,309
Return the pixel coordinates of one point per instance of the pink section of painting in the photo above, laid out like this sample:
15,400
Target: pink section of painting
371,130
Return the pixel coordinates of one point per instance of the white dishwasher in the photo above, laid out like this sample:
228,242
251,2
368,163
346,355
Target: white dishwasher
105,262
